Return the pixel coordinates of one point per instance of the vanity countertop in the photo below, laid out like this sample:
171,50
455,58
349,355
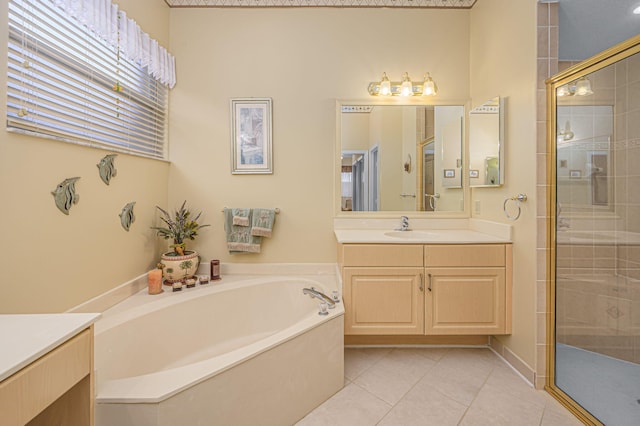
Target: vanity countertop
26,337
417,236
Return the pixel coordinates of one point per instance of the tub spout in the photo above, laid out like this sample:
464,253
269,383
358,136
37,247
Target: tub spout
319,295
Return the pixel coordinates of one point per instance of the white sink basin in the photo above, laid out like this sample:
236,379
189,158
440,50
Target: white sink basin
411,235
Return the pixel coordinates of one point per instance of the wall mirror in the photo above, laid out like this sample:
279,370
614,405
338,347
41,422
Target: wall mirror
486,144
401,157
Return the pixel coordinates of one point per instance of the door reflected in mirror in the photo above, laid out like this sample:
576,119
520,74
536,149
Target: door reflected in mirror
401,158
486,144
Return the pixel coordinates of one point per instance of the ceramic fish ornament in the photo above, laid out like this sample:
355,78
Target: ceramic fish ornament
106,168
65,194
126,216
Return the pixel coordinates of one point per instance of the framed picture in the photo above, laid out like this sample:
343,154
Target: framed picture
449,173
575,174
251,151
474,173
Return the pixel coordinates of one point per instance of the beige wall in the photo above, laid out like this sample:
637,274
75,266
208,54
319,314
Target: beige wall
51,262
304,59
503,63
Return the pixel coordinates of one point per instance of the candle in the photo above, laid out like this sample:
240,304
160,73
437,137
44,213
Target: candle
215,270
155,281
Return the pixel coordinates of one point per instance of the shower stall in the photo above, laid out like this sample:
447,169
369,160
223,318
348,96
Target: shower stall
594,237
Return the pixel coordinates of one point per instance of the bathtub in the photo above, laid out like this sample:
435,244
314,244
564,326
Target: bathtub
243,351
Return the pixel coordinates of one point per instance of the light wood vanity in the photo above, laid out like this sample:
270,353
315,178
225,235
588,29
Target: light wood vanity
429,290
46,369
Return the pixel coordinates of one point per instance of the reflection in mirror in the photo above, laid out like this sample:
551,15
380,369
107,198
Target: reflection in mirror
583,154
486,145
401,158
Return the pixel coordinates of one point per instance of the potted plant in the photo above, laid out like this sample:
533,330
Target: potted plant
180,263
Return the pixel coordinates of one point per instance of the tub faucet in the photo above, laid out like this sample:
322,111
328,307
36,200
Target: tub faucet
319,295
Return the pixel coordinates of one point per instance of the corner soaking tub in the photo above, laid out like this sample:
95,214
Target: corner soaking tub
247,350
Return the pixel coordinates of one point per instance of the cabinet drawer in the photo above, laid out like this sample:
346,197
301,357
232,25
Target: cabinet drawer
388,255
481,255
30,390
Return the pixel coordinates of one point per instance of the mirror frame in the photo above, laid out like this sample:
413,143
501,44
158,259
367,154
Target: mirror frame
501,143
337,190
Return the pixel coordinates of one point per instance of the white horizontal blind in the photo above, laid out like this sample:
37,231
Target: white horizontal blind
65,83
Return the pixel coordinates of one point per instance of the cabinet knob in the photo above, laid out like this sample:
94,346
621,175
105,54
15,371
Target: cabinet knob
429,288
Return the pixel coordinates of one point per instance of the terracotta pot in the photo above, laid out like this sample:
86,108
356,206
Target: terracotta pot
178,268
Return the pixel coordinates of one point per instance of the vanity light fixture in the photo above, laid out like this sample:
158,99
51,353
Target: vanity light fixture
636,11
405,87
579,87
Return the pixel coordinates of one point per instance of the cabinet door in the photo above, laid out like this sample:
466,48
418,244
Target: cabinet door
465,301
383,301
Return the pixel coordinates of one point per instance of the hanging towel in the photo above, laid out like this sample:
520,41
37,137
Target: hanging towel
241,217
262,222
239,238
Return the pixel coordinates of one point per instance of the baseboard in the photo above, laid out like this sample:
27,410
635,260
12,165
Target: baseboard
416,340
521,367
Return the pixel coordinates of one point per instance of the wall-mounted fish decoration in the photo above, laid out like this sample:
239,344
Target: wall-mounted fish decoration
126,216
106,168
65,194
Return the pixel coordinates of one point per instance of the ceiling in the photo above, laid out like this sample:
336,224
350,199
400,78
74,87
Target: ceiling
461,4
587,27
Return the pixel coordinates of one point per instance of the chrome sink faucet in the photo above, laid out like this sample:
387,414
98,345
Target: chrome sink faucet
319,295
404,224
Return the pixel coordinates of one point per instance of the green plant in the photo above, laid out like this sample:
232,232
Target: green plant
179,227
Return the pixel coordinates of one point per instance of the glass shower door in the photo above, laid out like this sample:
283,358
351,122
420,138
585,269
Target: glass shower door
595,366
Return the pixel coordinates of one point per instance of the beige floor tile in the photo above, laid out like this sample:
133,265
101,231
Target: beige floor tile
352,406
455,381
497,406
394,374
425,406
357,360
505,378
434,386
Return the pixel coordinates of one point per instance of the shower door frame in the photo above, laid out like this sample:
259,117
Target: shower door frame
595,63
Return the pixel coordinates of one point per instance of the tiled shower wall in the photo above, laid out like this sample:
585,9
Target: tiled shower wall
547,66
598,284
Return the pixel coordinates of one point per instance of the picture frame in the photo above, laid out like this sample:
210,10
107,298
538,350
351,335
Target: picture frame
575,174
251,134
449,173
474,173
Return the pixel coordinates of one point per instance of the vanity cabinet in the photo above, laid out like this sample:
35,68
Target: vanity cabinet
47,377
383,300
426,289
466,289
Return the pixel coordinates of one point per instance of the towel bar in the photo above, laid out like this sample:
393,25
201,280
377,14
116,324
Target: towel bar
277,210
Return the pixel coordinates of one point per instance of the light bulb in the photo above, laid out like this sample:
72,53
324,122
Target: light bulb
429,87
385,85
583,87
563,91
406,88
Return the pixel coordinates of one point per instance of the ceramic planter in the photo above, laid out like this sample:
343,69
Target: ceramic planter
177,268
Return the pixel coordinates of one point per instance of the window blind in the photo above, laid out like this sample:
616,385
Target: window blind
66,83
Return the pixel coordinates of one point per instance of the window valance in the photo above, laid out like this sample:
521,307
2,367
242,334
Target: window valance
112,25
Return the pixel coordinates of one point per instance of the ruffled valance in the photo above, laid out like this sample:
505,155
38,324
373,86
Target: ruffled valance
112,25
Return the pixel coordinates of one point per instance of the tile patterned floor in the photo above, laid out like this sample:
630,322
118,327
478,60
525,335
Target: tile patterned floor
435,386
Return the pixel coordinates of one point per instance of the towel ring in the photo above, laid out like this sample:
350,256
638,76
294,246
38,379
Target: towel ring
517,199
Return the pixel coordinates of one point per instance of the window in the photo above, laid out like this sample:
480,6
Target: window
65,82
